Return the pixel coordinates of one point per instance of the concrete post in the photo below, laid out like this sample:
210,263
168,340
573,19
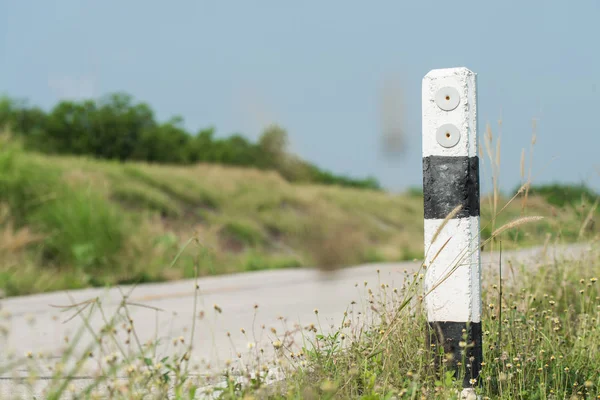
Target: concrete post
452,254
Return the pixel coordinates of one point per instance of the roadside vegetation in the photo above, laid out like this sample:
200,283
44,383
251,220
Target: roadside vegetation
541,341
117,127
71,222
78,221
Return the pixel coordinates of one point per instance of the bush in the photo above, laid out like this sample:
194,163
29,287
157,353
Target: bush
117,128
561,195
258,262
136,194
84,230
81,229
242,234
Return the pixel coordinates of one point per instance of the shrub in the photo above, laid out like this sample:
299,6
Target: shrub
81,228
561,195
115,127
242,234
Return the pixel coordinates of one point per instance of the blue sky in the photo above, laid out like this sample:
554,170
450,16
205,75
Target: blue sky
326,71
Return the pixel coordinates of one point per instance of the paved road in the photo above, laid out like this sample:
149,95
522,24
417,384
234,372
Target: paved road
35,326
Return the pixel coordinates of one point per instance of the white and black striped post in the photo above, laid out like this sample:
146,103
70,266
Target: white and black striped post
450,179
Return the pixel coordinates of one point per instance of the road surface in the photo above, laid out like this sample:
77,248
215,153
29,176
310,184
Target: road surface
35,326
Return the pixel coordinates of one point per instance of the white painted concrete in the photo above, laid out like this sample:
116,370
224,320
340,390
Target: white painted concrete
464,116
454,277
469,394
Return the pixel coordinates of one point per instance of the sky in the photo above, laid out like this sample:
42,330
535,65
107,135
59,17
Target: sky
333,73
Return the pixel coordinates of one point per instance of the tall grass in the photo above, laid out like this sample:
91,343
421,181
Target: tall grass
547,348
100,222
540,322
549,345
541,329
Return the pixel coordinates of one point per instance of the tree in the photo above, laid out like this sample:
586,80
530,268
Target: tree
201,145
119,125
166,143
273,145
69,128
19,117
115,127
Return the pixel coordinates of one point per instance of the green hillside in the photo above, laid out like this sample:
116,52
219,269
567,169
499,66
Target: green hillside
116,127
71,222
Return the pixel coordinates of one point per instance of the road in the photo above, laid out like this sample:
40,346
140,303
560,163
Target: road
35,325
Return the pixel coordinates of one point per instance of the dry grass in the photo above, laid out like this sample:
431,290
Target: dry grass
246,220
547,347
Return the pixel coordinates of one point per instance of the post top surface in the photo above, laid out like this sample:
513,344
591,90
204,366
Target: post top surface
449,127
444,72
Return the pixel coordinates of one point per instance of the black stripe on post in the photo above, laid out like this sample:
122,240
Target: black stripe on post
449,335
451,179
448,182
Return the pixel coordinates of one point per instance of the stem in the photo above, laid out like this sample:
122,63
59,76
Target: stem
500,300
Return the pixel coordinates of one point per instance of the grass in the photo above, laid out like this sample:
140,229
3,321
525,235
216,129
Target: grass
540,322
548,348
79,222
541,341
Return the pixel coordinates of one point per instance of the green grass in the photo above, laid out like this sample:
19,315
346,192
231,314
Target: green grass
548,348
135,196
68,222
80,222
